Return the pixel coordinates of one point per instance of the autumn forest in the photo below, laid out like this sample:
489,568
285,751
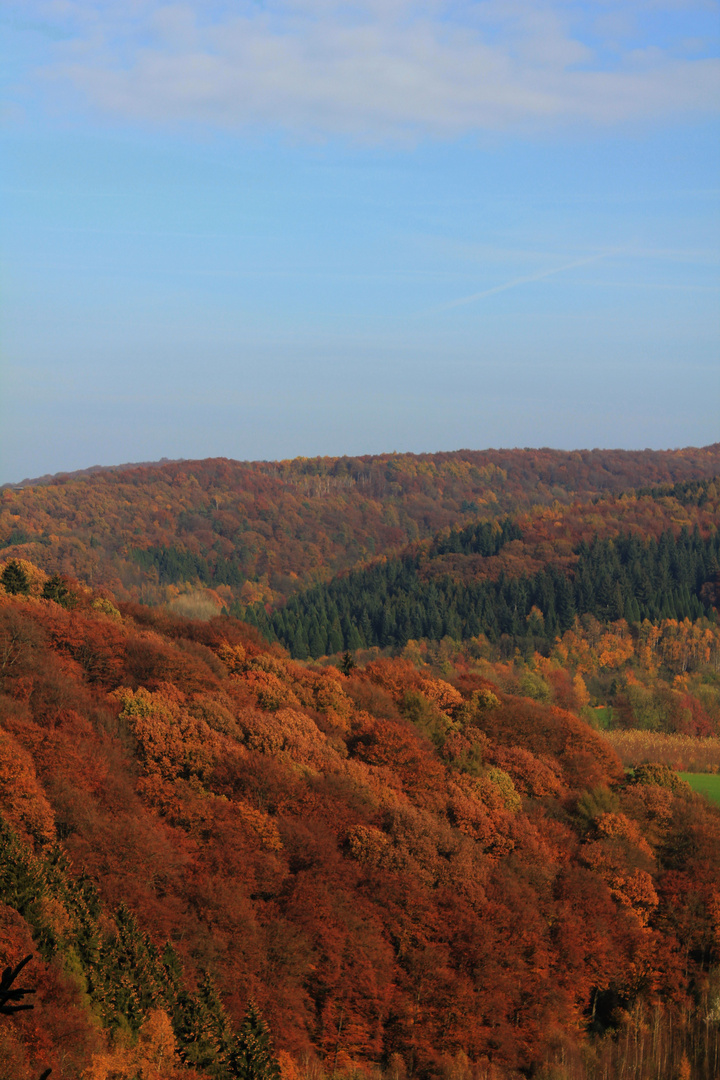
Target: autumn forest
372,768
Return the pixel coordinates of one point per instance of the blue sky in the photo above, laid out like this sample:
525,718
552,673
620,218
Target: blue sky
268,229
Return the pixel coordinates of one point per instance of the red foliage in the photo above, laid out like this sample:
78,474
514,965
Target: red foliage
285,521
382,885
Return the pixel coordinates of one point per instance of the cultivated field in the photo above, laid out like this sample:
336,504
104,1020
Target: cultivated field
685,753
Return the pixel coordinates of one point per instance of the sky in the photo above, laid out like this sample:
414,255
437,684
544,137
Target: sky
268,229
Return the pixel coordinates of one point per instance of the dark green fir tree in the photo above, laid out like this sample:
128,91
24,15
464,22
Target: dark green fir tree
203,1030
253,1056
56,589
347,663
15,579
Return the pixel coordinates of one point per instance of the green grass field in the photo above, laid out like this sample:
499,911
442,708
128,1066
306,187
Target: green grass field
704,783
602,716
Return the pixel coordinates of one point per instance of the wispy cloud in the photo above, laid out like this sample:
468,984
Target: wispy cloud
378,70
525,280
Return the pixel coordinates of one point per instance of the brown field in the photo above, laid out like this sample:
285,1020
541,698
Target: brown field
685,753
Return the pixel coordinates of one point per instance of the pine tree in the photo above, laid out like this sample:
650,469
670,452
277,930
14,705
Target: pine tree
130,977
80,899
24,886
335,637
253,1056
56,589
366,629
298,643
317,636
15,579
176,998
204,1034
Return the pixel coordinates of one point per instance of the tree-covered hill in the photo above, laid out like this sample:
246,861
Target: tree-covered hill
648,557
410,870
218,531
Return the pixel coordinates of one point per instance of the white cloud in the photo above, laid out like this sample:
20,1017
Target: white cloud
378,70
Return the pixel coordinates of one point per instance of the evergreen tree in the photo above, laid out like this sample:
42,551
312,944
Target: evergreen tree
366,629
80,898
204,1032
335,637
564,601
15,579
176,997
317,637
24,886
56,589
253,1056
351,636
130,977
298,643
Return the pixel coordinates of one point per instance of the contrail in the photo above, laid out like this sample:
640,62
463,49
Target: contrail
523,281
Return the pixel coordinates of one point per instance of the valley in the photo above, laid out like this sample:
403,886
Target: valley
409,775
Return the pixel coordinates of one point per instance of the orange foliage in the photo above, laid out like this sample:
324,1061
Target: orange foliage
392,863
284,521
153,1057
22,799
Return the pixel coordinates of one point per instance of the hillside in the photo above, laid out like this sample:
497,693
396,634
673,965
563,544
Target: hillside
206,534
521,581
409,868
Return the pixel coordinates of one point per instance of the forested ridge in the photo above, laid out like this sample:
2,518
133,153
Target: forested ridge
637,557
430,866
392,603
420,857
258,532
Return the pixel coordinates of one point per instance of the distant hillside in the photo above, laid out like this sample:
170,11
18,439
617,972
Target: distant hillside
649,557
81,474
216,532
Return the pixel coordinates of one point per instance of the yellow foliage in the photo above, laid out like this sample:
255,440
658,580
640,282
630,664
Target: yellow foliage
503,782
106,607
153,1057
289,732
233,657
615,647
173,743
413,653
621,826
261,824
288,1068
35,576
676,644
581,691
271,692
484,700
215,710
266,662
442,694
369,845
329,694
